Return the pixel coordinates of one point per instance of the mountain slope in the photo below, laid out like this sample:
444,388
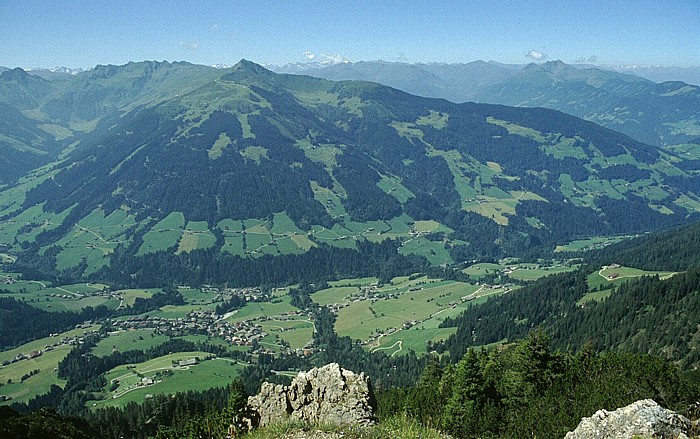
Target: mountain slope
659,114
648,315
24,145
253,164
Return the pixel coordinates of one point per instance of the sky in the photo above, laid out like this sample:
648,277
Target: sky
84,33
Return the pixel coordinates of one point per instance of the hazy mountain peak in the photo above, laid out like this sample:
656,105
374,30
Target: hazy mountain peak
250,67
16,74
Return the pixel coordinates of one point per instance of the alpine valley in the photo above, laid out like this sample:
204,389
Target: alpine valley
172,235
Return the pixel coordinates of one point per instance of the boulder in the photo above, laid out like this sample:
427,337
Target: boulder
641,419
326,395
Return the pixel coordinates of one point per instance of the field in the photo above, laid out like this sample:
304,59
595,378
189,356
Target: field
164,235
296,332
590,243
123,341
57,298
601,282
196,236
46,363
94,237
167,378
383,310
527,272
131,295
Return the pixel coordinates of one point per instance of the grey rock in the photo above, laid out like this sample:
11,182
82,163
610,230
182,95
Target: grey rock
643,418
326,395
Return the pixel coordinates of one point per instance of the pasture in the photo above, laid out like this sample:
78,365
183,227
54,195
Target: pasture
58,298
296,332
46,363
400,303
167,378
164,235
614,275
592,243
122,341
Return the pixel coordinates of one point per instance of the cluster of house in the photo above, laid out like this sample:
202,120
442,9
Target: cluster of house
369,294
249,294
204,322
8,280
71,341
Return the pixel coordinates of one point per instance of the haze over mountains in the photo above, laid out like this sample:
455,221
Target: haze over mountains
208,152
658,114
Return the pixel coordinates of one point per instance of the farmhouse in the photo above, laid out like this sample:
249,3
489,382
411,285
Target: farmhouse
189,362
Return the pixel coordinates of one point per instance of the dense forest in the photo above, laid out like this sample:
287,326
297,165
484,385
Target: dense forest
526,389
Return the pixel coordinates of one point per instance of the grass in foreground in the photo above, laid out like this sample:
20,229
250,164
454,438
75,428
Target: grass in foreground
394,427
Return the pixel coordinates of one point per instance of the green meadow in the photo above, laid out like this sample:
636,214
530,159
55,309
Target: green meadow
167,377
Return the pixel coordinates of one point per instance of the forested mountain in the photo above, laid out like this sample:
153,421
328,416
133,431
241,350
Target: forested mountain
655,113
647,315
188,166
658,114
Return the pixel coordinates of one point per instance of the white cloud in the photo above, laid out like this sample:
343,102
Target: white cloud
324,59
192,45
332,59
535,55
583,59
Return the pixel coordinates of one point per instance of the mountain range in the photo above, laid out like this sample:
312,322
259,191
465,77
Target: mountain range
191,164
659,114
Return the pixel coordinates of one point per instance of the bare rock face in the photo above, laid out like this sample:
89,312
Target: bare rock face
326,395
641,419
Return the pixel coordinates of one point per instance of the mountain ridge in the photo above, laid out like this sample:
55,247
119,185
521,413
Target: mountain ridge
339,163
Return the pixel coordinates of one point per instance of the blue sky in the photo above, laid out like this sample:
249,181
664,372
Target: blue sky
82,33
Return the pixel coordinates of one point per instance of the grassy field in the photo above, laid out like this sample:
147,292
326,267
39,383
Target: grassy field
123,341
590,243
178,311
169,379
413,300
164,235
131,295
295,332
613,276
518,271
46,363
57,298
195,236
531,272
262,309
434,252
94,238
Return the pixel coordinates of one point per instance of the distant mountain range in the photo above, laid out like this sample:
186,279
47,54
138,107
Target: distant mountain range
658,114
158,165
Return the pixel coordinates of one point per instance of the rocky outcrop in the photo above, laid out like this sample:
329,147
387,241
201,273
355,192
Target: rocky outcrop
326,395
641,419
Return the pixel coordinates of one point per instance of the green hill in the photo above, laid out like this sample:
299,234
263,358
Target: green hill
659,114
246,169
